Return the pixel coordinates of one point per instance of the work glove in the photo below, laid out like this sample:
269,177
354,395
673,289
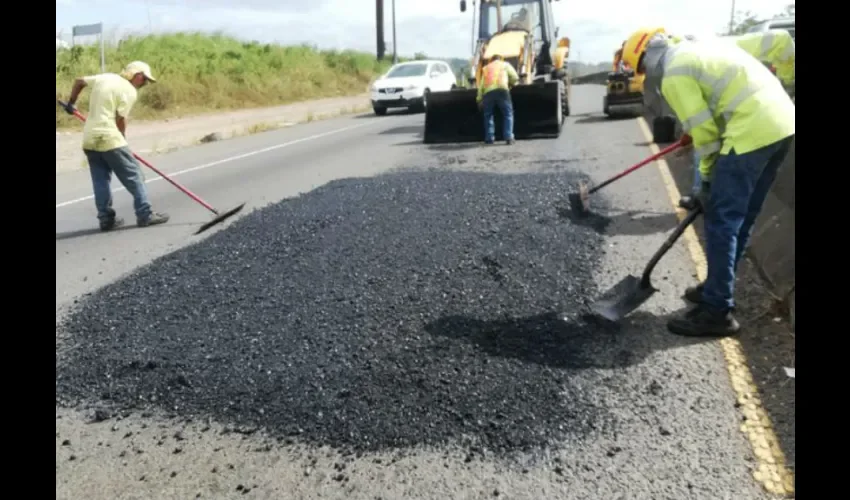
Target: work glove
687,146
69,108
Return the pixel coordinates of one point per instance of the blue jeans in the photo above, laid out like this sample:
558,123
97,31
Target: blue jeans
739,186
697,185
122,162
502,99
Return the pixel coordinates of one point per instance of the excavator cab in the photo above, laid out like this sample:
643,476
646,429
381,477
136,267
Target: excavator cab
523,33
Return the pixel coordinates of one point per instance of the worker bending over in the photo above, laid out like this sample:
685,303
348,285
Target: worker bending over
105,144
774,47
741,121
497,78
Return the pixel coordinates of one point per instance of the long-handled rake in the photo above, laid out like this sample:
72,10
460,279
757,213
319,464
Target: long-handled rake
219,216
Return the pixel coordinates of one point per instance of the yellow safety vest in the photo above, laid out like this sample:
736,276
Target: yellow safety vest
774,47
725,99
496,75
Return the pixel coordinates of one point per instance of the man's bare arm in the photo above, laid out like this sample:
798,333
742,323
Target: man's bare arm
79,85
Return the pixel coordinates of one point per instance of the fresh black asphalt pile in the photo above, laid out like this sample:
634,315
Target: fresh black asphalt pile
421,308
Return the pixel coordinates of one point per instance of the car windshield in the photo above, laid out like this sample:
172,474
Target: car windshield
407,70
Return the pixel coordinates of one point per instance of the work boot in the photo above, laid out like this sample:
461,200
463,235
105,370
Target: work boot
693,294
153,219
688,202
704,321
110,224
510,141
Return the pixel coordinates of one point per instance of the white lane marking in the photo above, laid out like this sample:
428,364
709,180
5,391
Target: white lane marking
232,158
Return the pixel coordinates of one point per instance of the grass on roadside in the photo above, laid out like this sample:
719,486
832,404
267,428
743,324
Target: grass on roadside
200,73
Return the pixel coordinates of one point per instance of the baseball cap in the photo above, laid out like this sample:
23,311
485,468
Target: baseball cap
139,67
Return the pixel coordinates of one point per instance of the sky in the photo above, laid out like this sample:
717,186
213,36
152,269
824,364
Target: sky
436,27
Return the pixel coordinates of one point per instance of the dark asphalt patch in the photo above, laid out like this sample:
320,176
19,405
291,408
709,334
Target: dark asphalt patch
402,310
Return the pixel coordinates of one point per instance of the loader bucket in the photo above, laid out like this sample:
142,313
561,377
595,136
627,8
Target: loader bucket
538,111
453,116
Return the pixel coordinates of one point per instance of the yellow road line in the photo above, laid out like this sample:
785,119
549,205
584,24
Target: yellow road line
771,471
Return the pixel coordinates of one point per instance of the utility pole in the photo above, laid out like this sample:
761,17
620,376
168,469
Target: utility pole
473,27
150,23
379,28
395,40
732,18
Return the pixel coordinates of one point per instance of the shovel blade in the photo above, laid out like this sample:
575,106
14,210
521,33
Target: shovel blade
580,202
623,298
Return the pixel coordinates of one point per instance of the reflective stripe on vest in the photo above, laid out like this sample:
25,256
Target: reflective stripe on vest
767,41
718,86
767,46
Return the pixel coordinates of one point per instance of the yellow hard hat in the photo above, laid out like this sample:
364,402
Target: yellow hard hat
636,45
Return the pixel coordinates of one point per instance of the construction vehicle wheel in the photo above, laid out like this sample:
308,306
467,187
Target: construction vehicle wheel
605,108
565,101
379,110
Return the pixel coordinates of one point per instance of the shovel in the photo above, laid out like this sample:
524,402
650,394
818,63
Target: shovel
580,202
632,292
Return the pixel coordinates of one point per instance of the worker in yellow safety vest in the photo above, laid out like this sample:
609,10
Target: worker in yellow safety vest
497,78
774,47
740,120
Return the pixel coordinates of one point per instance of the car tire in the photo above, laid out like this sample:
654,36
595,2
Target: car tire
379,110
423,106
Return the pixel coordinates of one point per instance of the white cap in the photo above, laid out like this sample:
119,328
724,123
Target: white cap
136,67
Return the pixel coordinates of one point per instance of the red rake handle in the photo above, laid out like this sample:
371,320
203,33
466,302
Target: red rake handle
668,149
145,163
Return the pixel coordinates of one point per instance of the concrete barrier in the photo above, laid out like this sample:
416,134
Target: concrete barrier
772,246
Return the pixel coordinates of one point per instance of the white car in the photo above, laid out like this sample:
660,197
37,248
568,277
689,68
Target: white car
783,23
407,85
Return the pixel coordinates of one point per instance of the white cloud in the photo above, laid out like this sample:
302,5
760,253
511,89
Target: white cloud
438,28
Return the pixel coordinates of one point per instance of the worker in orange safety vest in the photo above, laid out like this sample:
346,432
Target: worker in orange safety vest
497,78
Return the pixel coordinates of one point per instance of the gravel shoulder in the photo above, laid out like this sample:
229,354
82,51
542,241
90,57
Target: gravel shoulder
474,275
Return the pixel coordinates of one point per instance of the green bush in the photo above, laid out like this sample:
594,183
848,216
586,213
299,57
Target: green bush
199,72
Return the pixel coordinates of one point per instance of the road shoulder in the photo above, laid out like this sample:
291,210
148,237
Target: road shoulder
160,136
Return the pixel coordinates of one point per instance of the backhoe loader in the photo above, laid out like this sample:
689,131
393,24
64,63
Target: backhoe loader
523,32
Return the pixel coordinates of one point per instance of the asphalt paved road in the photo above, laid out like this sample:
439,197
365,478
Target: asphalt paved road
673,428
